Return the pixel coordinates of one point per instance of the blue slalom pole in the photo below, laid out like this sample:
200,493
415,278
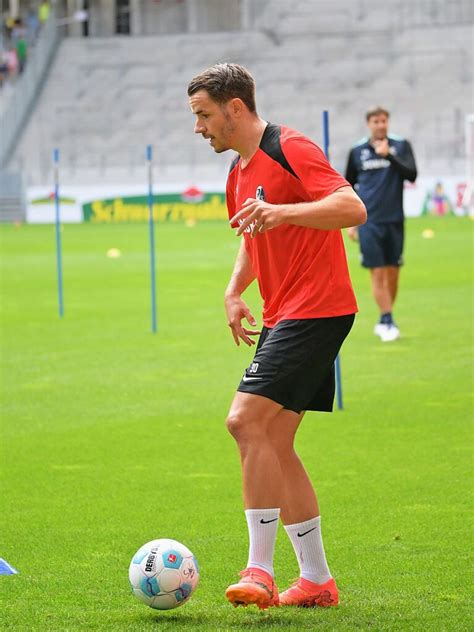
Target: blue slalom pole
59,265
337,363
151,226
326,133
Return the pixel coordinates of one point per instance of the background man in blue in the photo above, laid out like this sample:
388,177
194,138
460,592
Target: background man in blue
376,168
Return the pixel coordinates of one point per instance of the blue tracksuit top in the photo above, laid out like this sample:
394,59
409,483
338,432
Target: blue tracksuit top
379,180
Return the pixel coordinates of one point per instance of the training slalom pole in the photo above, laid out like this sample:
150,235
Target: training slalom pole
59,264
337,363
151,227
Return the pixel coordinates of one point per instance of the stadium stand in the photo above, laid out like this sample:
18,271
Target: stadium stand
105,98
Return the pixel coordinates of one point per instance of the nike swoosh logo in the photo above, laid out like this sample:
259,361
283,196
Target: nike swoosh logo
249,379
262,521
300,535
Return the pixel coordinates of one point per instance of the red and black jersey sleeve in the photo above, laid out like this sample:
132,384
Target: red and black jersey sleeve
311,166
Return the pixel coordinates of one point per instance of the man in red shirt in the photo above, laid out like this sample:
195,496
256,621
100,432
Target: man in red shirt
289,204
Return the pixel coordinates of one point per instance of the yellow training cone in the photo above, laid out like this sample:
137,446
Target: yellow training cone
428,233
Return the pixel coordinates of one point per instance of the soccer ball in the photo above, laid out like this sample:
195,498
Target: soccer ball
163,574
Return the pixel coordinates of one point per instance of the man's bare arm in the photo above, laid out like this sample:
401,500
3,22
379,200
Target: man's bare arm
341,209
235,307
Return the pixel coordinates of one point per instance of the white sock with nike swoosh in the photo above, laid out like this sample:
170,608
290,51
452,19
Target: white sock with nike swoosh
308,545
263,525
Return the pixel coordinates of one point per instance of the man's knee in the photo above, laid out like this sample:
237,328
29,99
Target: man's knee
234,423
393,273
243,427
379,277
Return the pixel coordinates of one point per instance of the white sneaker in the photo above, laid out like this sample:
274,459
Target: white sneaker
379,327
387,333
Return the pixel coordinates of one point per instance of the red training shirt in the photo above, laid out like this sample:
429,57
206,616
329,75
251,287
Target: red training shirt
301,272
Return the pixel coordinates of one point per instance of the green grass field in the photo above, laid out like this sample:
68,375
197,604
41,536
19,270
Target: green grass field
111,436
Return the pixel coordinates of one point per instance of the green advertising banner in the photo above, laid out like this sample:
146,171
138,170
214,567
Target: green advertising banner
167,207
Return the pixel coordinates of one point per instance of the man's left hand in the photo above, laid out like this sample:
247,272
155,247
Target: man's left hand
259,215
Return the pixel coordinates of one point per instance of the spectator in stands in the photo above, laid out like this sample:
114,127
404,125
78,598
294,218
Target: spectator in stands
12,61
32,26
18,31
377,168
9,24
19,42
44,11
21,52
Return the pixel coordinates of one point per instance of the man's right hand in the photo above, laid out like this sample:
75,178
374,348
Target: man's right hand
236,310
352,233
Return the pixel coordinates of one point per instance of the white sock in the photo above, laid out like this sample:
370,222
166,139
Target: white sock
263,525
308,545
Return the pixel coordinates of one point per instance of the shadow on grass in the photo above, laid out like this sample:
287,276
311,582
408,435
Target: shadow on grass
222,621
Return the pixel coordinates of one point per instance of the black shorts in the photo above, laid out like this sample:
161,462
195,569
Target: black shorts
381,245
294,362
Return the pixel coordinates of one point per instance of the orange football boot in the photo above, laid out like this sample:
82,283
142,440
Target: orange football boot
256,586
306,594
